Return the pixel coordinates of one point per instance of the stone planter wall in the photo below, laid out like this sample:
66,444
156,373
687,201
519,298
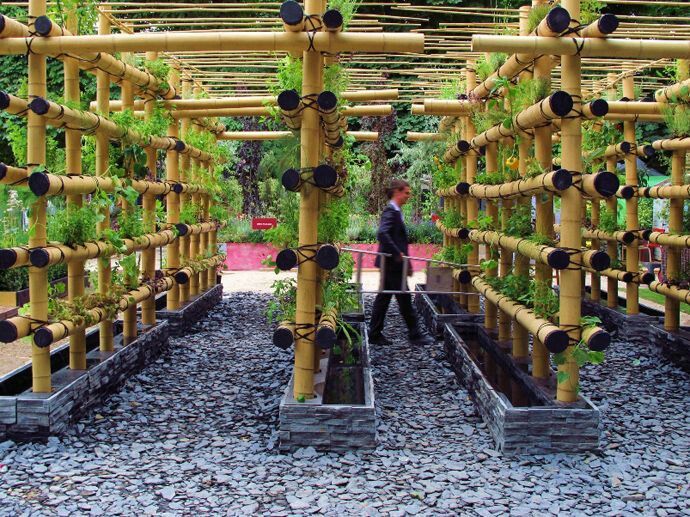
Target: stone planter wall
674,345
28,415
434,320
537,429
329,427
194,310
633,328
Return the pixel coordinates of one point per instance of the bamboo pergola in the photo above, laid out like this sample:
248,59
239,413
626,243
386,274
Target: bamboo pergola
584,75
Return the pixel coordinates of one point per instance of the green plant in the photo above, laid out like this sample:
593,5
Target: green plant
190,213
608,222
489,178
590,10
131,223
288,75
333,222
130,271
546,303
455,254
74,226
452,89
536,15
451,218
581,353
519,223
282,306
424,232
487,64
347,8
541,239
677,118
85,11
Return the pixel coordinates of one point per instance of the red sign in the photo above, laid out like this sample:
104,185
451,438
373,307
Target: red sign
264,223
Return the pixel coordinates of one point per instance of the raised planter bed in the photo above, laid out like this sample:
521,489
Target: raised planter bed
438,309
522,416
190,312
342,415
25,415
358,314
674,345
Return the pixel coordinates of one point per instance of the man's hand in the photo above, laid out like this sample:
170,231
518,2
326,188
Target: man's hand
399,257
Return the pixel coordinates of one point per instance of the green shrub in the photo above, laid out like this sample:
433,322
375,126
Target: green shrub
18,278
424,232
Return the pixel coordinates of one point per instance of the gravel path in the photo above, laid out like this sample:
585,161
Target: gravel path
195,434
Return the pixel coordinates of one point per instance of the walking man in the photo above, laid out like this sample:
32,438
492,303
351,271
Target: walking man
392,237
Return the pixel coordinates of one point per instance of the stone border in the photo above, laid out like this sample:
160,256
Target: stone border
436,321
329,427
674,345
522,430
30,416
359,316
192,311
633,328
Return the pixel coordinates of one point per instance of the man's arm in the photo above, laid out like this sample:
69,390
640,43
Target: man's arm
386,229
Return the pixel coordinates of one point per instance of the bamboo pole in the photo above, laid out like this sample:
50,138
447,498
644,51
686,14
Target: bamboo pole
554,257
632,222
571,223
672,144
583,47
185,197
148,256
14,176
102,165
544,217
73,165
235,41
554,182
413,136
673,263
470,168
490,313
309,203
612,208
36,156
172,173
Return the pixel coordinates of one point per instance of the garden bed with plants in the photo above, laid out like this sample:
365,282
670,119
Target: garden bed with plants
342,415
521,414
27,415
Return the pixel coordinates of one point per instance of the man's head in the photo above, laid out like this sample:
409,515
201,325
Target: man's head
399,192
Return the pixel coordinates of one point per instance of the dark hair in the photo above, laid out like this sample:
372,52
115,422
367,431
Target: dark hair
396,186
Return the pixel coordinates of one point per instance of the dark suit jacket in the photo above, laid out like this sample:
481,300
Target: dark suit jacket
392,237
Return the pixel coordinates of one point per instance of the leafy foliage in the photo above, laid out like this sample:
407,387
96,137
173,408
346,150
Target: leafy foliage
74,225
519,223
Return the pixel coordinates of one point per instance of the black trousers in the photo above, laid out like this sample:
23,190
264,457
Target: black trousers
392,282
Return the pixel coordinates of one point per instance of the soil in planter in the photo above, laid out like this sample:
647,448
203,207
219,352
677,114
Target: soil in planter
345,377
500,374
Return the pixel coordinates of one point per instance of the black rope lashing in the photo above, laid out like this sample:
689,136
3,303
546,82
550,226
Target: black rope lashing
306,253
306,331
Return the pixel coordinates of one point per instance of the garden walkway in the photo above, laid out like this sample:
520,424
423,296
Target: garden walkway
196,433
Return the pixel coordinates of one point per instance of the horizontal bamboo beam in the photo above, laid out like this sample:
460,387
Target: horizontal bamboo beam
672,144
55,253
601,184
45,184
555,339
255,135
195,229
635,108
621,236
458,233
116,68
619,117
53,332
665,192
183,274
678,92
413,136
14,257
585,47
666,239
364,136
682,295
553,257
449,107
13,175
555,182
235,41
629,277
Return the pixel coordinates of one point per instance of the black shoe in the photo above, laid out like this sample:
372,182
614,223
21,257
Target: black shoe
422,340
380,340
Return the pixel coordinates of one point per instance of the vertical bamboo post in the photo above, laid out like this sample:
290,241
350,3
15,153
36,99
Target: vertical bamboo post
148,256
194,239
307,273
210,272
35,156
102,152
543,153
571,220
595,278
472,204
172,163
632,222
129,316
490,311
185,175
461,172
75,268
203,215
520,335
612,208
671,305
677,207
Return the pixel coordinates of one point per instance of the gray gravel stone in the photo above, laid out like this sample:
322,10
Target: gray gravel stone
196,433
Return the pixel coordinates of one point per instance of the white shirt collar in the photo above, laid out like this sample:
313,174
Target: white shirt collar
396,207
